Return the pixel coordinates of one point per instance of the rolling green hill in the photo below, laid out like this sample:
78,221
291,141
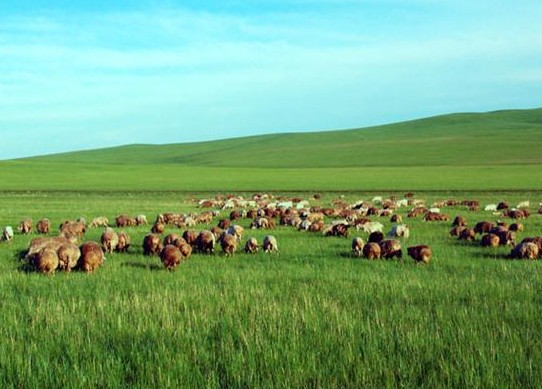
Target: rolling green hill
488,151
495,138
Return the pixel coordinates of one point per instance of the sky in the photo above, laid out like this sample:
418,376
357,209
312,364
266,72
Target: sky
88,74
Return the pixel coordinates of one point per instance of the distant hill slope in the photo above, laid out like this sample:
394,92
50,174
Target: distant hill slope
494,138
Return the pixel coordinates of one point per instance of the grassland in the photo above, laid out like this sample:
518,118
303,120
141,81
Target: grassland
311,316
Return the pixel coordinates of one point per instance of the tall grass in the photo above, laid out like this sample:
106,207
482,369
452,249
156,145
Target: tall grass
311,315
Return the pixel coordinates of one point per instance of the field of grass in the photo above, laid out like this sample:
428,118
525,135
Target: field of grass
310,316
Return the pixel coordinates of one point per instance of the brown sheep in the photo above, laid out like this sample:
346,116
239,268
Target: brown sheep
141,220
38,244
371,250
190,237
316,226
456,231
467,234
459,221
534,239
251,246
171,257
205,242
436,217
396,218
68,256
109,240
390,248
506,238
237,231
125,221
72,230
483,226
270,244
43,226
376,237
124,242
92,257
217,231
25,226
490,240
421,253
185,248
224,224
152,244
516,227
158,228
228,243
526,250
357,246
46,261
170,239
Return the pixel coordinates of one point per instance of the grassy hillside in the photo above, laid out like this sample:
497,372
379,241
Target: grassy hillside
495,138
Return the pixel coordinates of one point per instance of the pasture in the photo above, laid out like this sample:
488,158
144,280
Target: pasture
312,315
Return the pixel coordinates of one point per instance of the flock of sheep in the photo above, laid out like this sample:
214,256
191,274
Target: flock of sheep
63,252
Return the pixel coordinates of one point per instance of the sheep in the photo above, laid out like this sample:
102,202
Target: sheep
534,239
38,244
228,243
109,240
516,227
523,204
316,226
205,242
68,256
46,261
100,221
338,228
251,246
506,238
92,257
483,226
190,237
43,226
490,240
467,234
372,250
72,230
525,250
357,246
7,234
124,242
399,231
491,207
141,220
158,228
435,216
125,221
224,223
390,248
459,221
25,226
185,248
376,237
455,231
152,244
236,230
371,227
270,244
171,257
170,239
396,218
421,253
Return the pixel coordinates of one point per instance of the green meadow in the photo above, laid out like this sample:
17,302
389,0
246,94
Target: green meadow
310,316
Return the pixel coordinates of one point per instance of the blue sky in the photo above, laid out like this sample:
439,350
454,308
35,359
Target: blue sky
89,74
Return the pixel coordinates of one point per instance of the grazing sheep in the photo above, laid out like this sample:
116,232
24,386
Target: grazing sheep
100,221
370,227
525,250
171,257
43,226
122,221
516,227
506,238
228,243
371,250
483,226
421,253
109,240
491,207
534,239
170,239
152,244
124,242
7,234
68,256
399,231
523,204
467,234
185,248
158,228
72,230
224,224
25,226
396,218
390,248
46,261
436,217
490,240
236,230
459,221
141,220
376,237
251,246
92,257
205,242
190,237
316,226
357,246
270,244
38,244
455,231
